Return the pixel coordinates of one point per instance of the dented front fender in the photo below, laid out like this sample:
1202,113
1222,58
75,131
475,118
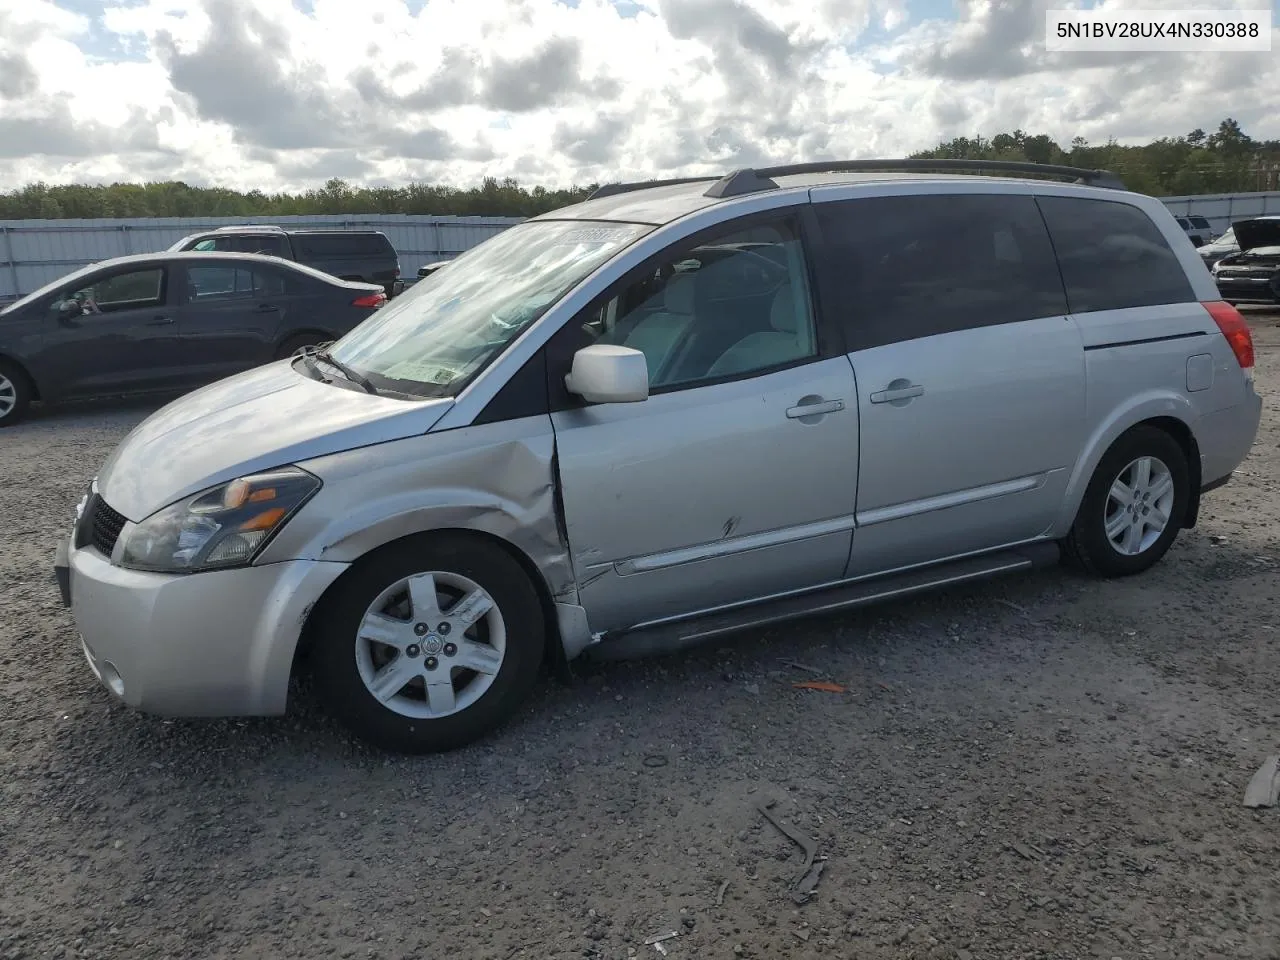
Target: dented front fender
497,479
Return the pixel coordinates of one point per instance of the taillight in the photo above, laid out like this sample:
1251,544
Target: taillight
1235,329
371,301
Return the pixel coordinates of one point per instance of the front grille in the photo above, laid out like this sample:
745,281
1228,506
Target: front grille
100,526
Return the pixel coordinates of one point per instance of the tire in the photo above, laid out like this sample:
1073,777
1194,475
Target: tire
408,716
295,343
1123,552
15,394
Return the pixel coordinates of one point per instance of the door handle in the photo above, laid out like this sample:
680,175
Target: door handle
159,321
267,308
899,390
815,409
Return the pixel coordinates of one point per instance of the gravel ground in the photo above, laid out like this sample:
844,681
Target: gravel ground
1046,766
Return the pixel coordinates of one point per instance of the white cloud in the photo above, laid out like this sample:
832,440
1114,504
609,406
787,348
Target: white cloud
259,93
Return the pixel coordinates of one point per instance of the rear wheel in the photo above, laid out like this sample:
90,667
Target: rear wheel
1134,505
429,643
15,394
296,344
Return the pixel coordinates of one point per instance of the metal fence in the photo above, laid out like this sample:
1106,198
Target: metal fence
1222,210
36,252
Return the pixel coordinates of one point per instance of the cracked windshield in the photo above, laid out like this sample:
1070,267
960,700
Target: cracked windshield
433,339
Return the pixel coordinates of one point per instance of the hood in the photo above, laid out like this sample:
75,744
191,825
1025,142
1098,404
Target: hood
263,418
1263,232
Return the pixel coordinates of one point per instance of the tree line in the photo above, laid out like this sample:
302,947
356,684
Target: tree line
1225,161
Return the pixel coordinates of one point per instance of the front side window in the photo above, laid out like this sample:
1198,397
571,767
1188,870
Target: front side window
1112,256
432,339
900,268
204,246
120,291
734,304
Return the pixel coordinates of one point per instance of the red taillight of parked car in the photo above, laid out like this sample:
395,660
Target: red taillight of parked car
372,301
1234,327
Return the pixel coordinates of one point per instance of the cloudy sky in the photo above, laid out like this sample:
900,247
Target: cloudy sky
286,93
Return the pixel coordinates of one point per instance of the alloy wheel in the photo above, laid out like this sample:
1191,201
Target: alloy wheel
1139,505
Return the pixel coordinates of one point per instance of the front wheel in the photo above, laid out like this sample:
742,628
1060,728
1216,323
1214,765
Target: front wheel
15,395
429,644
1134,505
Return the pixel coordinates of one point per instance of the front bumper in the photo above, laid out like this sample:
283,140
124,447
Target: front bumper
194,645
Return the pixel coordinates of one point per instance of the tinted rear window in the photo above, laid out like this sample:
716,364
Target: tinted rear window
343,245
1112,256
1200,223
897,268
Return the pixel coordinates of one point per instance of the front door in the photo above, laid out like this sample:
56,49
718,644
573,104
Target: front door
971,386
116,331
736,479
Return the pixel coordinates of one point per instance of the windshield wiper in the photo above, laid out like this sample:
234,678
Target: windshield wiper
343,369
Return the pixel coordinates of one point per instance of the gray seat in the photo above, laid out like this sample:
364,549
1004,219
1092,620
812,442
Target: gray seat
784,343
656,334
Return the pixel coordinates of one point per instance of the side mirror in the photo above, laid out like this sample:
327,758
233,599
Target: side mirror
604,373
65,309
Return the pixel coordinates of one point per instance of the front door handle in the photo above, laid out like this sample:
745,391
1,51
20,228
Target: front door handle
159,321
814,408
899,391
267,308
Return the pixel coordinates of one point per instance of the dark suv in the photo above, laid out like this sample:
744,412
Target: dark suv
364,255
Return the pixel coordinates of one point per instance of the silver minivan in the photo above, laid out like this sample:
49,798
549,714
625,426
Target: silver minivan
669,412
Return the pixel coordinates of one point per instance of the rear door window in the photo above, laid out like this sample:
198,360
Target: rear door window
1112,256
270,244
207,284
343,245
899,268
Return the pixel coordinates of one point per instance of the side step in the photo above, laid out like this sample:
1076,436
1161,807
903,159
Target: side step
671,636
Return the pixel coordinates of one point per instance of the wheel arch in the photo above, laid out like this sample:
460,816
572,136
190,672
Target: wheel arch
553,655
23,371
1166,411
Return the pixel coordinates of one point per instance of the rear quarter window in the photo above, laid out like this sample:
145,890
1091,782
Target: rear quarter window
899,268
343,245
1112,256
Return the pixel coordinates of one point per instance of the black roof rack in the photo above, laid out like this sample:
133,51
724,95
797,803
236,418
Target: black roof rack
753,180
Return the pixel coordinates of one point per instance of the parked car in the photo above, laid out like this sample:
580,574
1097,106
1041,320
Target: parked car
366,256
1197,228
429,268
661,415
1226,244
1253,274
167,321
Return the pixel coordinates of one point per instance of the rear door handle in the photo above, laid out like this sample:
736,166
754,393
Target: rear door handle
898,390
159,321
267,308
814,409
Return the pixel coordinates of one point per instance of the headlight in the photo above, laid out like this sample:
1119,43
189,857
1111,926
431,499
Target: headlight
225,526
